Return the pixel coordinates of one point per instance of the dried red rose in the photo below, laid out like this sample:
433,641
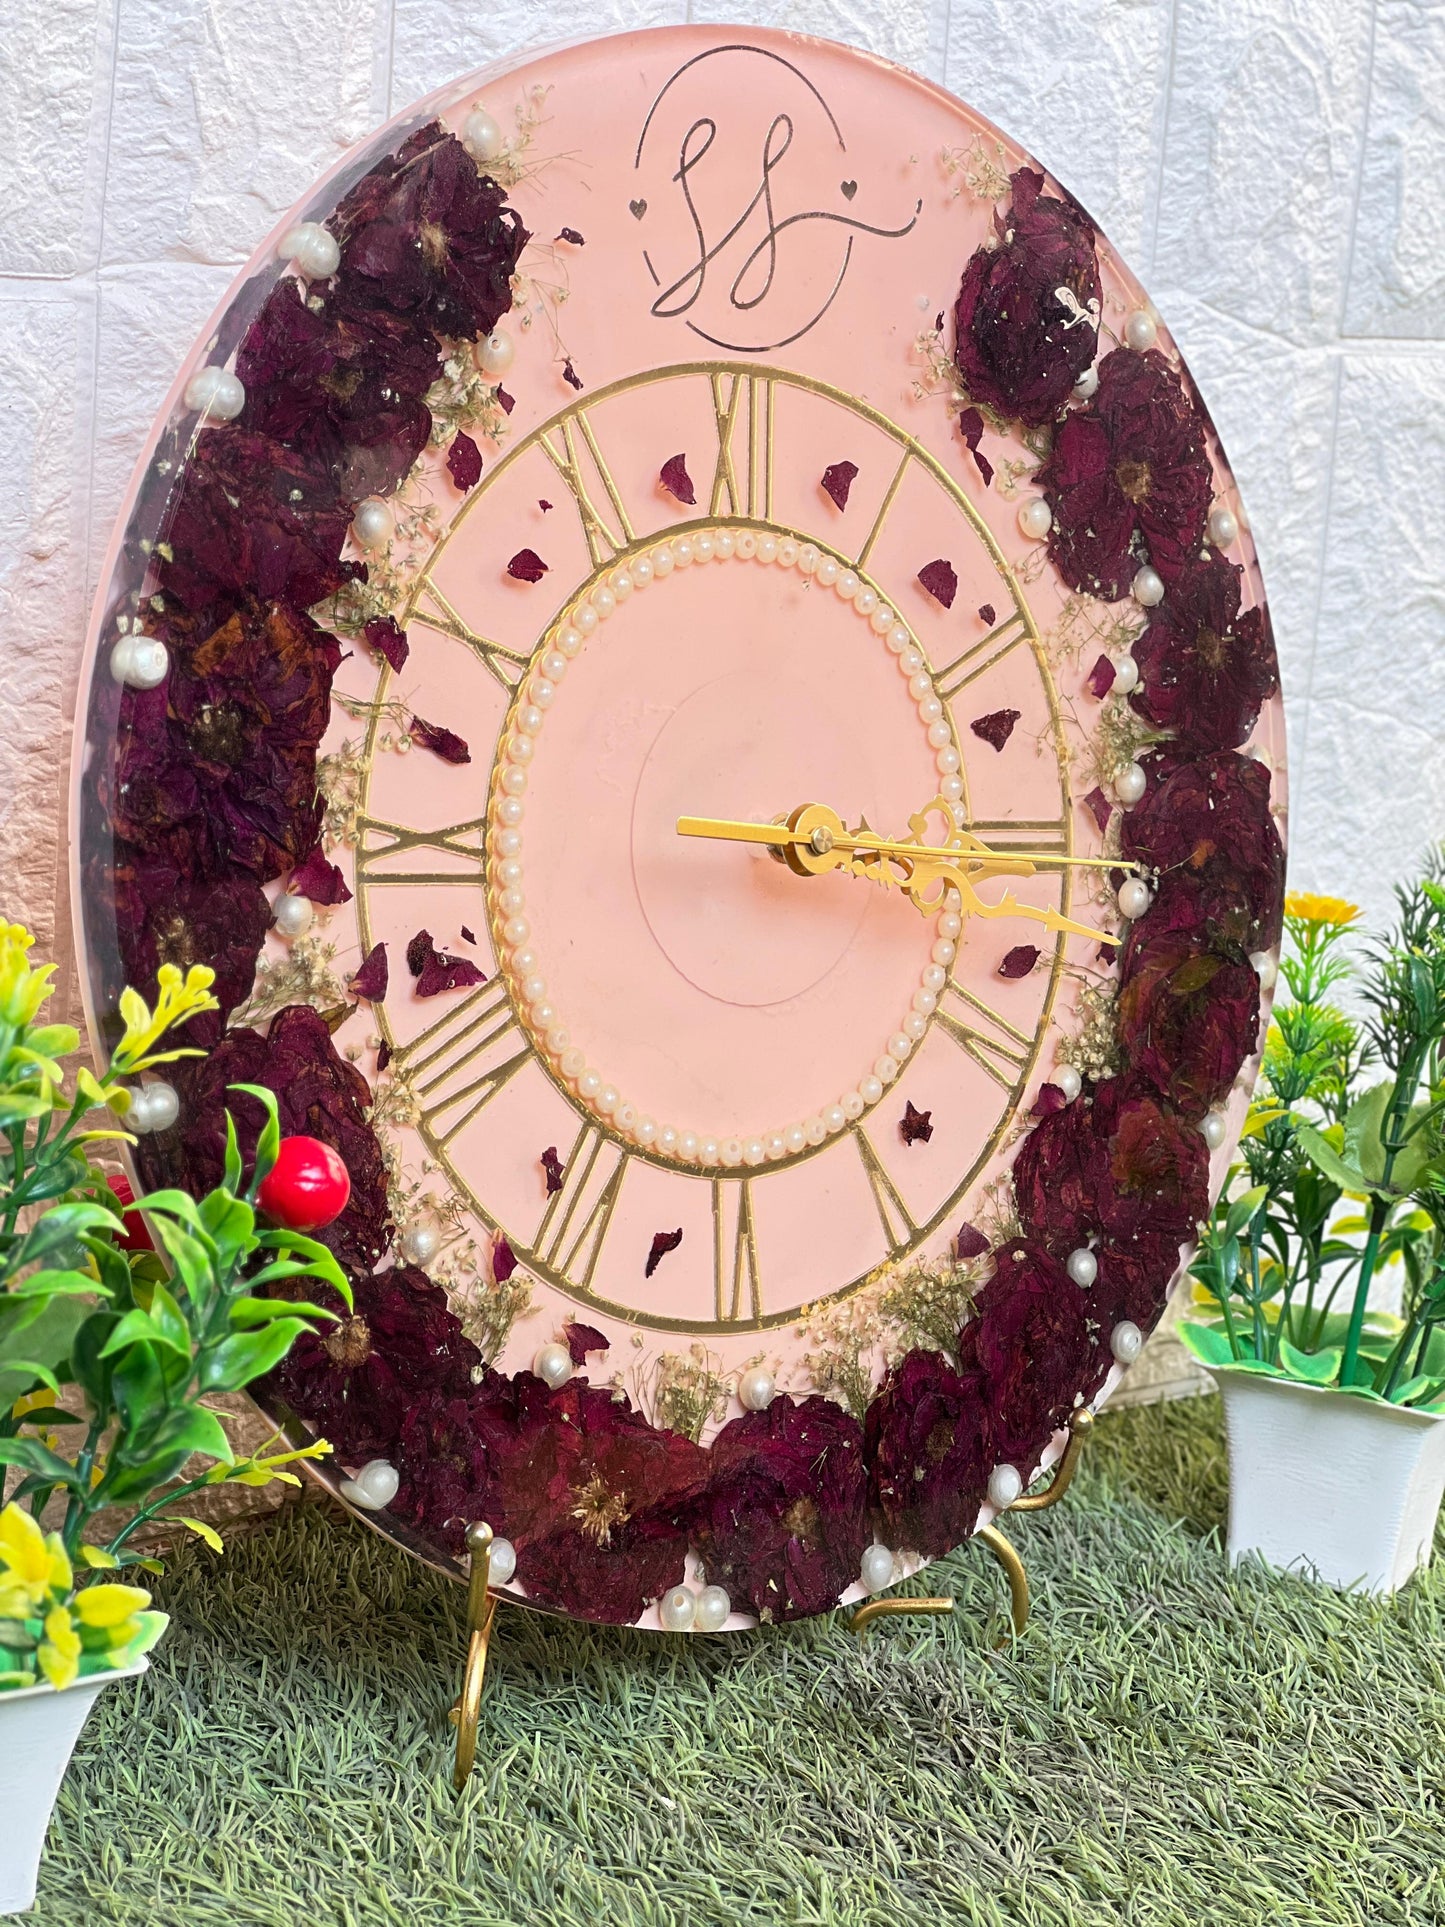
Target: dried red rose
388,639
354,1381
464,461
1204,823
1030,1343
926,1444
526,566
838,479
504,1259
1128,479
915,1126
164,917
552,1166
441,742
1188,1019
676,480
662,1243
1050,1098
447,1454
1205,670
1019,961
371,980
970,426
584,1339
1119,1162
995,728
941,581
319,879
783,1523
1020,347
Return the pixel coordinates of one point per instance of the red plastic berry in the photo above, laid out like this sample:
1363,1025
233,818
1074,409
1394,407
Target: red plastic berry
307,1186
134,1237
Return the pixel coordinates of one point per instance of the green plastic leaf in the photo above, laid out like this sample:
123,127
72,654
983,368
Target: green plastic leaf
1311,1368
1323,1155
246,1312
139,1328
201,1529
61,1228
247,1355
269,1142
31,1456
1243,1210
1208,1343
232,1169
1364,1147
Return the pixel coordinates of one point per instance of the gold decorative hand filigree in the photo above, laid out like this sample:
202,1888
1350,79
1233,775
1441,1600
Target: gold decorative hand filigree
814,840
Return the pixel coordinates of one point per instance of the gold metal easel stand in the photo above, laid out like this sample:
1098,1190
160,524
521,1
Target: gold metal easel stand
1001,1548
481,1611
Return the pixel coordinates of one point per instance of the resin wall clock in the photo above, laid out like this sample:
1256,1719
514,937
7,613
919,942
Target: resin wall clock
687,650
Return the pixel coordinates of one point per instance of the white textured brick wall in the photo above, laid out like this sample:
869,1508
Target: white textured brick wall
1274,169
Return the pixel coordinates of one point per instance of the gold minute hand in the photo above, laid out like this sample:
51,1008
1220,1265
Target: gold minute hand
814,840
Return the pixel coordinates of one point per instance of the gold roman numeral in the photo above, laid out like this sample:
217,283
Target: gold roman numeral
433,611
572,1232
1010,833
980,657
747,399
990,1040
457,1065
887,503
604,538
382,846
899,1228
735,1253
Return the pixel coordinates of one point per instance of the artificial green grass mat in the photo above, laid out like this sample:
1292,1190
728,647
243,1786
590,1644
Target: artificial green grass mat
1167,1744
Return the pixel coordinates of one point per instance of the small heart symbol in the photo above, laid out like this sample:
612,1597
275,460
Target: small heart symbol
850,188
639,208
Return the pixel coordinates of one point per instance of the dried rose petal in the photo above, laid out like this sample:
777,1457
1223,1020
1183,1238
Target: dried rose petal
662,1243
1099,807
570,375
441,972
970,426
383,1056
1050,1099
417,952
467,936
987,614
545,506
838,478
441,742
464,461
505,401
371,980
582,1339
1019,961
320,880
940,580
997,727
915,1127
552,1165
676,480
969,1243
571,234
526,566
504,1259
388,639
1101,678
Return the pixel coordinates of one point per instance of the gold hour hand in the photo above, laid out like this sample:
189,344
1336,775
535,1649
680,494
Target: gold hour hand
813,840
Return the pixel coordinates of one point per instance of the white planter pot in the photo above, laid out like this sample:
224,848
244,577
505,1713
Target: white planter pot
1341,1489
38,1731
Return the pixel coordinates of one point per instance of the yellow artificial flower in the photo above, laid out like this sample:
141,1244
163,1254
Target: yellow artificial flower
29,1559
108,1605
22,990
58,1655
1309,908
179,998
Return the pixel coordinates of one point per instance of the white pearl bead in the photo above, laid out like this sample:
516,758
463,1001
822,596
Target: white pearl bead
514,780
767,550
947,760
754,1150
1087,384
604,601
934,977
1126,1341
313,250
553,1364
925,1003
162,1106
756,1388
607,1099
589,1084
866,601
1264,967
709,1151
482,138
951,787
1148,587
886,1068
852,1103
713,1609
834,1118
1083,1266
910,660
899,1045
506,842
775,1146
950,924
1126,674
1134,898
808,558
625,1118
667,1139
944,952
516,930
1004,1486
140,662
1214,1128
559,1040
870,1089
827,571
725,544
876,1571
570,640
511,810
703,547
524,962
584,620
676,1609
520,749
496,352
374,1486
420,1242
882,619
689,1146
920,687
1130,784
794,1138
554,668
663,562
731,1151
939,735
293,915
1068,1081
573,1064
373,524
216,392
641,570
682,552
502,1563
1223,526
787,552
747,542
1036,518
898,639
645,1130
1141,330
915,1026
814,1129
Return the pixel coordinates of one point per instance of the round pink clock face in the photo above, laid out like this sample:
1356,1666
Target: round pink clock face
699,589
